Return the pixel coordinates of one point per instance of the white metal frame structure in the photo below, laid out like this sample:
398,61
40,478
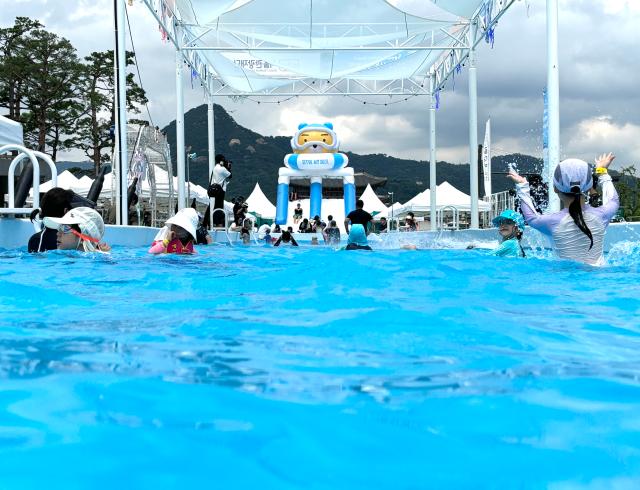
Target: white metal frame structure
441,44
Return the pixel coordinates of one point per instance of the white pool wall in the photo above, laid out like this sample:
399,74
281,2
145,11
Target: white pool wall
15,233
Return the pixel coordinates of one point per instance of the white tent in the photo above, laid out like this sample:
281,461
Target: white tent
66,180
260,204
446,195
372,202
10,132
391,211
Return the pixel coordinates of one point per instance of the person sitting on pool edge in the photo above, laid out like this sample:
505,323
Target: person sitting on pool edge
297,214
178,234
286,237
81,229
357,239
358,217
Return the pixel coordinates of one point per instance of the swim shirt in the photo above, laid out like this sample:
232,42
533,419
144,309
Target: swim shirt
568,241
360,217
508,248
44,240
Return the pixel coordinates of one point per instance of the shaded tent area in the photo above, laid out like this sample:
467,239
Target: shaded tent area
446,196
81,186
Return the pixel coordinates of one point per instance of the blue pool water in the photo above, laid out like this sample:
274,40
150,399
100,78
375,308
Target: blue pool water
316,369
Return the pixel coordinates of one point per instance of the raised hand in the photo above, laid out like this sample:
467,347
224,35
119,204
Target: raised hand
517,178
605,160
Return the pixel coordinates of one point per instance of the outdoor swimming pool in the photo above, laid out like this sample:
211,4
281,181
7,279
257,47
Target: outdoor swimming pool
311,368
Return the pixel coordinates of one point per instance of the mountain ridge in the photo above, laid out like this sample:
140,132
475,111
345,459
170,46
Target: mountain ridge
257,158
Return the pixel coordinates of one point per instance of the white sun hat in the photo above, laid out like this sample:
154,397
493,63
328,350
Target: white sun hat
186,218
88,220
571,173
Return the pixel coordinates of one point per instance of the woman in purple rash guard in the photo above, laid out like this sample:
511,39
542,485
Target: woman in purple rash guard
578,230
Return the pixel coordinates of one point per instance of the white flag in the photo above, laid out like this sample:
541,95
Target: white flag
486,159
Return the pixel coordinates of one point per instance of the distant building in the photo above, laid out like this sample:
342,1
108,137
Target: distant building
332,188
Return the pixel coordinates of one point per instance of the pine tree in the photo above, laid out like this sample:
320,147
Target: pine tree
92,129
50,90
14,64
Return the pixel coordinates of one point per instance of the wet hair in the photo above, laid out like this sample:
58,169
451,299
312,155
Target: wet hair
359,204
181,234
575,211
286,236
519,234
55,203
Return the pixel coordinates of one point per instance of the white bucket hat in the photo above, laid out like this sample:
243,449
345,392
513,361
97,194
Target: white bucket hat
571,173
88,220
186,218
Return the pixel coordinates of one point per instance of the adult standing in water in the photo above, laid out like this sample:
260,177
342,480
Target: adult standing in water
218,187
578,230
358,217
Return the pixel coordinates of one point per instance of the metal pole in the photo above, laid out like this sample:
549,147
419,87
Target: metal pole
432,157
180,150
473,127
188,180
553,94
120,100
212,148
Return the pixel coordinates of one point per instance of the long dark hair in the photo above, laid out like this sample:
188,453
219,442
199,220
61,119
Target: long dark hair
54,204
519,235
575,211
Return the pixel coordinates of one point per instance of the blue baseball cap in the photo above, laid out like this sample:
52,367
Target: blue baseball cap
509,215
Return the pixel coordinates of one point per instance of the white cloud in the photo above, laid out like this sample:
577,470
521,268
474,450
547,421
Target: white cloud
598,78
595,136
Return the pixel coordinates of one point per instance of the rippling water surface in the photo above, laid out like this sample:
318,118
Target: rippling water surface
312,368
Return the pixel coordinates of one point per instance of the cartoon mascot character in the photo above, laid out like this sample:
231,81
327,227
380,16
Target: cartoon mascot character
315,147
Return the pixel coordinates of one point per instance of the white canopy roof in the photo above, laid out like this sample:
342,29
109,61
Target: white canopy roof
372,202
446,195
259,46
66,180
260,204
387,213
10,132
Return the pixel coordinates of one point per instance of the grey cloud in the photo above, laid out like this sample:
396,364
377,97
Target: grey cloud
599,77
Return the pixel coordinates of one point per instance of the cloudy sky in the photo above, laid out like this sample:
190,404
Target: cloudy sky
599,75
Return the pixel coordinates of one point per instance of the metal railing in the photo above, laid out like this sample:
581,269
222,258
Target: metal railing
33,156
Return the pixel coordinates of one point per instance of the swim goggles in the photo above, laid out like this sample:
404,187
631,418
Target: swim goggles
65,229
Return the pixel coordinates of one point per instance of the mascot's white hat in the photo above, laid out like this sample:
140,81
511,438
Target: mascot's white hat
326,127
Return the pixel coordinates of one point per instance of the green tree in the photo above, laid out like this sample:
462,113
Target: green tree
629,191
50,90
96,86
15,64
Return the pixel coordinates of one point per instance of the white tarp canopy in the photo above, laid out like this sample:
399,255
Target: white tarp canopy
252,46
260,204
446,195
10,132
66,180
391,211
372,202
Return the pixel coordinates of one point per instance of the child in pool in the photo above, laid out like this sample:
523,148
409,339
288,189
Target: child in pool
178,234
510,226
577,231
